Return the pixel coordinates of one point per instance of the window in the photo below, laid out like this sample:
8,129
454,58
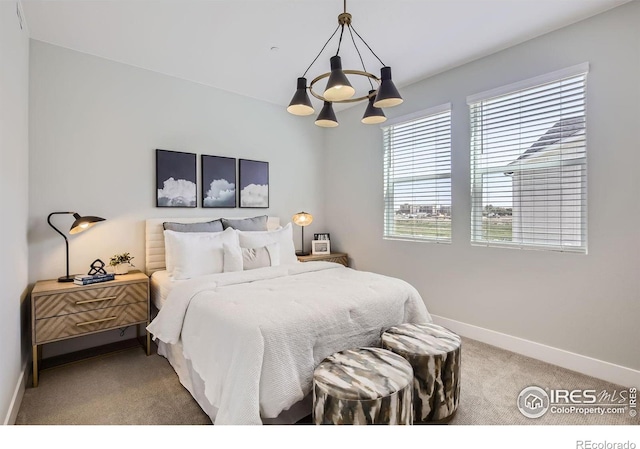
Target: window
417,176
529,163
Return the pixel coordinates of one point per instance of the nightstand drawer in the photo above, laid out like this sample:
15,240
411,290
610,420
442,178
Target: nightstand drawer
89,298
55,328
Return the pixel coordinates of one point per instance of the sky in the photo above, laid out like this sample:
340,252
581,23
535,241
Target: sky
253,172
176,165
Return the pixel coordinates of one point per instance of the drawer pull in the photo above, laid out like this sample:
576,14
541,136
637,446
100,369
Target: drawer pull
86,323
87,301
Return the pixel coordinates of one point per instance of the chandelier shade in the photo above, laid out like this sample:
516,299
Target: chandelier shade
373,115
339,87
301,103
388,95
327,118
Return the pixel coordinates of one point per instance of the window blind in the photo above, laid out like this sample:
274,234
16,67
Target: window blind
529,164
417,176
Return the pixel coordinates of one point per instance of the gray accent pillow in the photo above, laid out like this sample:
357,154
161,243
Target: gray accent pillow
253,258
246,224
209,226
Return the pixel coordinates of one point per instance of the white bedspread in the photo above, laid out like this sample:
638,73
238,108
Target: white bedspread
256,336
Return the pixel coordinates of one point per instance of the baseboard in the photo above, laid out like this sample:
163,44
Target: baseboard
599,369
84,354
18,394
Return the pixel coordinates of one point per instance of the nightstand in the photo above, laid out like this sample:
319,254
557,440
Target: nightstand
65,310
333,257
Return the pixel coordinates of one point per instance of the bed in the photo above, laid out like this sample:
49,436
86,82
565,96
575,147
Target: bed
245,343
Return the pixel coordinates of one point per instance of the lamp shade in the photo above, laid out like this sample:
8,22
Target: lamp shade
301,103
327,118
388,95
338,86
83,223
80,224
373,115
302,219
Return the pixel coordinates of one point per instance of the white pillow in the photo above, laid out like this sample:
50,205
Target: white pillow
283,236
232,257
192,254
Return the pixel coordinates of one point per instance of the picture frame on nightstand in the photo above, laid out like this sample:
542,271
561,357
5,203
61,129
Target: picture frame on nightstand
320,247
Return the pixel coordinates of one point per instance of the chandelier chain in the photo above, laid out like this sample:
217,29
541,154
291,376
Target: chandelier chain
360,56
323,47
365,43
340,40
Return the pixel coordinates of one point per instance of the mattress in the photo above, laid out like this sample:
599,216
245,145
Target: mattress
161,285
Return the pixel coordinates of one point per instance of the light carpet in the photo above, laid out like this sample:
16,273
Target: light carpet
127,387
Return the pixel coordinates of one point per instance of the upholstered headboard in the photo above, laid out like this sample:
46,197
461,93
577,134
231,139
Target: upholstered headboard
154,238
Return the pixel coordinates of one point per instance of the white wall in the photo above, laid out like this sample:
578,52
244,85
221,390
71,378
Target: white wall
94,128
14,150
587,304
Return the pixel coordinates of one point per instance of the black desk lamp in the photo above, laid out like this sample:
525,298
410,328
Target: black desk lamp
302,219
79,225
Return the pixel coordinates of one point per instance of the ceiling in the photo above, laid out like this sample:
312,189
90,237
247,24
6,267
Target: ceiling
259,48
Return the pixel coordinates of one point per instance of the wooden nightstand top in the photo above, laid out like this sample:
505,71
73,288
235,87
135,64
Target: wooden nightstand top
312,257
341,258
53,286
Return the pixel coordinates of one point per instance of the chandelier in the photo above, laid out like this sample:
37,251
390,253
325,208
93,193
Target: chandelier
340,90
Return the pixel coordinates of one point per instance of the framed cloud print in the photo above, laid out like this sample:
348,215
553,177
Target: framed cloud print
175,179
218,181
254,183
